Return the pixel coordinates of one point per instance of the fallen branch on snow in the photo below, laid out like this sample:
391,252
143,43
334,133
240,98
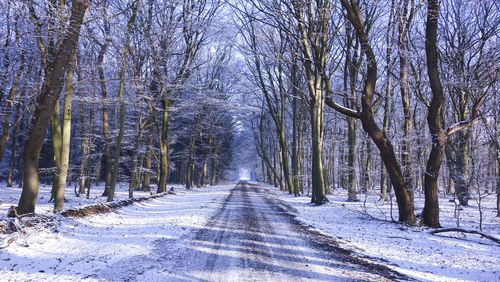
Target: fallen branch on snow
108,207
496,240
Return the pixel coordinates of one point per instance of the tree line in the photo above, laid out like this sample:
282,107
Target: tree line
400,95
357,94
135,92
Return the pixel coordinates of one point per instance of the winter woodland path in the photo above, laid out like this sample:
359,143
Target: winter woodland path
222,233
251,238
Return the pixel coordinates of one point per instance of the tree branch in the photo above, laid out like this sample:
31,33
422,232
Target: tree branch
496,240
475,112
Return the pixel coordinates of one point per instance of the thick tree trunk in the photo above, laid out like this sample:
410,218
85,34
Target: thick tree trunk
318,179
405,207
431,207
49,94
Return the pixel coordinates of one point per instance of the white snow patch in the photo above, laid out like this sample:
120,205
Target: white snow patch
103,246
365,227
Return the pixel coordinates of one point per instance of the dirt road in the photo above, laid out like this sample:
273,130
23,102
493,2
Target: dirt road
251,238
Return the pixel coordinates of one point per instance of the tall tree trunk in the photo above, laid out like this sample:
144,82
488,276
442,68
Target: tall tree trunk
213,178
405,17
56,134
162,184
318,179
368,166
49,94
108,168
204,170
450,187
460,171
66,135
388,94
146,180
431,206
13,147
84,144
134,178
295,133
118,144
366,116
497,153
190,162
314,41
351,160
282,171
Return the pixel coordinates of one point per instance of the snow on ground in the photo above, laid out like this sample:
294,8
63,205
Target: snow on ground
113,246
365,227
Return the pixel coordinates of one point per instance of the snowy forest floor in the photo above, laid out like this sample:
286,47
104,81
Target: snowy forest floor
366,228
78,248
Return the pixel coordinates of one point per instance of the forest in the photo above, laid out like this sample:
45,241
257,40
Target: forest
392,97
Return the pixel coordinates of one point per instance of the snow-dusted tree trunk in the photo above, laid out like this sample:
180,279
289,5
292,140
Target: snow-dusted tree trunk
49,94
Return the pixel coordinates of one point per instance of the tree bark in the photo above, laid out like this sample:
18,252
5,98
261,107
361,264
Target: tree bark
108,168
314,41
213,178
116,158
405,15
13,147
431,207
146,180
405,208
162,184
134,177
65,136
190,162
51,89
56,135
388,94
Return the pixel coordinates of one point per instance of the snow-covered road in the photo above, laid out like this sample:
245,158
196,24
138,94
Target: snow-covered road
251,238
224,233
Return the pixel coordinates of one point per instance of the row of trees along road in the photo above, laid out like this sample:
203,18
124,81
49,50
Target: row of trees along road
136,90
353,94
328,74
